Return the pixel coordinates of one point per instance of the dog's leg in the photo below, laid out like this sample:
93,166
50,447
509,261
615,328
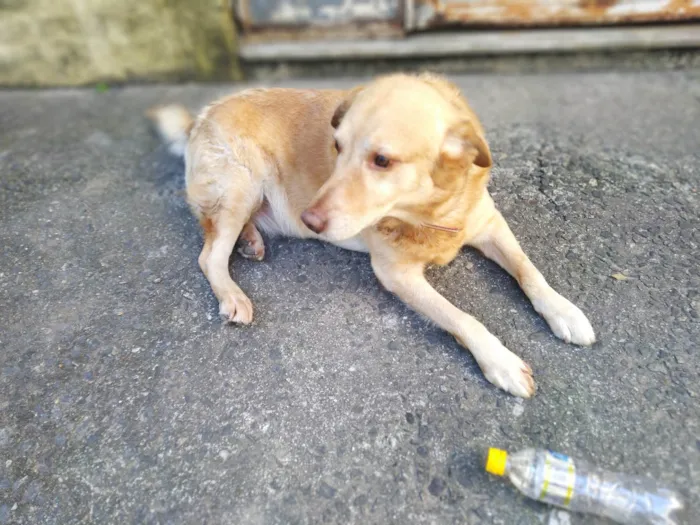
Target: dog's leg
225,210
500,366
498,243
219,240
209,234
250,243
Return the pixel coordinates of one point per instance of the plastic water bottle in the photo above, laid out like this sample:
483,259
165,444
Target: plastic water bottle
574,485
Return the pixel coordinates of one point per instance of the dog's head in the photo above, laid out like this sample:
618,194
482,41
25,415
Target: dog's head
400,141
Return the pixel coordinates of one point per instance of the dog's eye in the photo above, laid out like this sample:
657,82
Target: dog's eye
337,146
381,161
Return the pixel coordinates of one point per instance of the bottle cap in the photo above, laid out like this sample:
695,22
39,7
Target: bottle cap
496,461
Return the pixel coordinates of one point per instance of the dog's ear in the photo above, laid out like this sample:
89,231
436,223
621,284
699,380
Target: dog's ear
344,106
464,142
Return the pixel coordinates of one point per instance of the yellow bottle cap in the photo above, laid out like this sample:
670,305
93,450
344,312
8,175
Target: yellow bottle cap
496,461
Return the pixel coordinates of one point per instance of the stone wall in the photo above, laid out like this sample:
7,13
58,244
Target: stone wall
75,42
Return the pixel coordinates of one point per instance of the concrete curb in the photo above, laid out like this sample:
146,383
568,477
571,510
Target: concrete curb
481,43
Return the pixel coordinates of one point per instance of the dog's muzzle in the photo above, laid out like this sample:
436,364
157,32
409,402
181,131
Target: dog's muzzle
315,220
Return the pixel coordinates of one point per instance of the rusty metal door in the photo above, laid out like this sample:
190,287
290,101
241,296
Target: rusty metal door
301,19
265,20
426,14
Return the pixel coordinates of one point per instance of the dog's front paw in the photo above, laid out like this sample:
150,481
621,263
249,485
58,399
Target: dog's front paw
566,320
506,370
236,308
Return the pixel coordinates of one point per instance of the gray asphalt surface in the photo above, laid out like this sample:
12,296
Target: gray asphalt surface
124,400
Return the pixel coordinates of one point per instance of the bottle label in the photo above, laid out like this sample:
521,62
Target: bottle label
559,479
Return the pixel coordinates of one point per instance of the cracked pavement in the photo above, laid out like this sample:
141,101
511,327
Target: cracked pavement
124,400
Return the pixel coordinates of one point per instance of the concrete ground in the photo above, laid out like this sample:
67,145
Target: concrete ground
124,400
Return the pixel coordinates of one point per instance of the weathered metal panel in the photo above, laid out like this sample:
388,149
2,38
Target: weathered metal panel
265,14
442,13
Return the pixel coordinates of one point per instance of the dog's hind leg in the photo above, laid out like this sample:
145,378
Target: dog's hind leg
225,208
234,305
250,243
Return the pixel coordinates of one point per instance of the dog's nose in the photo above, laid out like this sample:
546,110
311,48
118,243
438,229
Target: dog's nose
315,220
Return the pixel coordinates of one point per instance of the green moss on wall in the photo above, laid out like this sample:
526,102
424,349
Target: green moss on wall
76,42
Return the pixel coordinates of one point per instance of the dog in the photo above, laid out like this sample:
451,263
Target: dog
398,168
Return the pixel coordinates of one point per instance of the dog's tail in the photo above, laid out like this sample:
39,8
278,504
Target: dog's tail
173,123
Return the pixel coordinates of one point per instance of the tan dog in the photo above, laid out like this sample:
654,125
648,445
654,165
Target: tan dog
398,168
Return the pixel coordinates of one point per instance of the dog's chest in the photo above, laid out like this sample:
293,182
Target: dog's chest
420,243
276,216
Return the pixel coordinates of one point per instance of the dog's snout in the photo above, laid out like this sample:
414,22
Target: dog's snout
315,220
